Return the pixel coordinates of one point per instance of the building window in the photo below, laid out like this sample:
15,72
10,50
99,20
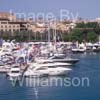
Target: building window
6,30
10,30
1,26
1,30
3,22
17,29
13,29
5,26
9,26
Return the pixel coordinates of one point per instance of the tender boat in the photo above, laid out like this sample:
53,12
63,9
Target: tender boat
78,50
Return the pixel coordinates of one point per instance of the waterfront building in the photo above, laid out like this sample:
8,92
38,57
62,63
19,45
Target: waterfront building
9,22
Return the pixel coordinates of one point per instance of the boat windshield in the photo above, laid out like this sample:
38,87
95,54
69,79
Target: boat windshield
15,71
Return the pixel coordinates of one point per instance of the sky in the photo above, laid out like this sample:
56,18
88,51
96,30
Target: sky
84,8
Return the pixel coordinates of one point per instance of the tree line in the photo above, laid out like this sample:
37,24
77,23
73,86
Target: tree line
88,32
26,35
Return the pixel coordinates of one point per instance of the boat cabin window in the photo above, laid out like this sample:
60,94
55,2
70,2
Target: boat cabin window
42,68
15,71
57,57
16,67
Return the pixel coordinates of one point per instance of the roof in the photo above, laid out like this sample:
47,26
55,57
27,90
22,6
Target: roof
6,15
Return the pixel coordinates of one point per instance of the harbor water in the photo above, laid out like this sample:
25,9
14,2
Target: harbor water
87,67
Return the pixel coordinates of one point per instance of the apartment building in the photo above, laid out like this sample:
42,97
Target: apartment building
9,22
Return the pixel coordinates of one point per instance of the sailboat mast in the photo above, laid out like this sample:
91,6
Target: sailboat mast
49,32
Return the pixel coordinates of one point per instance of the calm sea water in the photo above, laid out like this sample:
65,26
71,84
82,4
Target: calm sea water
89,66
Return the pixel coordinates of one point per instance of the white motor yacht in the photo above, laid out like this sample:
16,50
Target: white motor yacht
47,67
67,60
15,72
55,60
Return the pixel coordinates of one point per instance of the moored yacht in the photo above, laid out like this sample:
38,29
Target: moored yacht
43,67
15,72
68,60
79,49
52,61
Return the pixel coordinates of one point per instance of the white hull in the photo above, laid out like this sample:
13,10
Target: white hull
49,71
14,73
78,50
